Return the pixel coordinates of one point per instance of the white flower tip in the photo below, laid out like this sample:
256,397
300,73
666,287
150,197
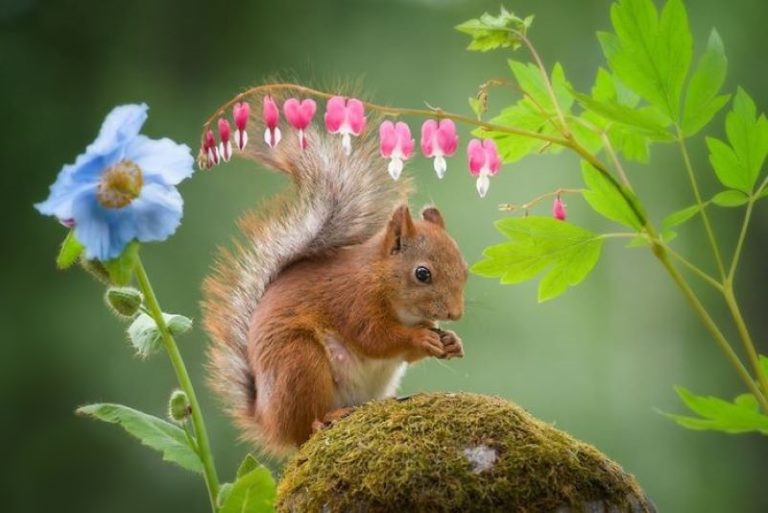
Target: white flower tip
440,166
346,143
395,168
483,183
272,137
241,139
225,150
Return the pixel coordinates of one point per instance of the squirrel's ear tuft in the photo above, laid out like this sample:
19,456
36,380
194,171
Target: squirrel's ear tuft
433,215
400,227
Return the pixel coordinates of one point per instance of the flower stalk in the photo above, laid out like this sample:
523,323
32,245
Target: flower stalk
202,444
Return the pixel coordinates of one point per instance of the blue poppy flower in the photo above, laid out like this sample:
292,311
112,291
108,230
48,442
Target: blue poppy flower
122,188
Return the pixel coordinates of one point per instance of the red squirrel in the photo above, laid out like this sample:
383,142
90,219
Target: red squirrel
333,290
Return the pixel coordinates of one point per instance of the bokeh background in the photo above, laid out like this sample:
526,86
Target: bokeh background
599,362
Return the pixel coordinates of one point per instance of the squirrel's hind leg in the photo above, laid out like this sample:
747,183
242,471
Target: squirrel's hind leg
300,392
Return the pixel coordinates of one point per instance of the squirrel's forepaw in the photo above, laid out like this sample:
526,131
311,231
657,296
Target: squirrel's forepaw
452,345
430,342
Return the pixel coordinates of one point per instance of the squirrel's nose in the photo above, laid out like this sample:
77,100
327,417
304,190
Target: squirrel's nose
454,315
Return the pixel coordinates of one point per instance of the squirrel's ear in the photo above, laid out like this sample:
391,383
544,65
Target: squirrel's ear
400,227
432,215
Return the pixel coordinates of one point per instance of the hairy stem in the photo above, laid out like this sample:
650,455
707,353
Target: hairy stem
203,446
700,203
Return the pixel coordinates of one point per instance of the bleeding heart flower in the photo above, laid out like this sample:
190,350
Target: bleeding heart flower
484,162
439,140
225,146
395,144
558,209
271,116
241,112
345,117
209,148
299,114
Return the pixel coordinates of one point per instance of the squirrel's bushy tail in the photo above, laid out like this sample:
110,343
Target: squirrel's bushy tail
336,200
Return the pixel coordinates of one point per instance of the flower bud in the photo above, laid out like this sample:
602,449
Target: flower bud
558,209
124,301
179,408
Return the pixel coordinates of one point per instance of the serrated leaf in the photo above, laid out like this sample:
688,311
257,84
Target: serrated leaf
738,164
702,101
564,253
490,32
730,198
253,492
651,53
606,200
740,416
145,336
70,251
151,431
120,269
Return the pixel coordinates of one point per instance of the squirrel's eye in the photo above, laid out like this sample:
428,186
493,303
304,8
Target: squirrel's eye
423,274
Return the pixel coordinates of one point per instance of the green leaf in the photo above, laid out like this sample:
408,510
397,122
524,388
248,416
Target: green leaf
490,32
651,54
531,81
738,163
248,464
253,492
535,112
645,120
120,269
563,253
606,200
679,217
764,364
145,336
740,416
730,198
151,431
701,100
70,251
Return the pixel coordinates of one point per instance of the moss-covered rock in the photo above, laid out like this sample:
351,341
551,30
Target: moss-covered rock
452,453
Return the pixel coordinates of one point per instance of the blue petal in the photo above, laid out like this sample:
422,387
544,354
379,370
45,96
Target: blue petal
161,158
104,232
72,180
120,126
156,212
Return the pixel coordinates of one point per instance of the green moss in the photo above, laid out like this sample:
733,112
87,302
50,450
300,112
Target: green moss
409,456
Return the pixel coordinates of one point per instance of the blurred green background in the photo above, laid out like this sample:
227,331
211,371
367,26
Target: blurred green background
598,362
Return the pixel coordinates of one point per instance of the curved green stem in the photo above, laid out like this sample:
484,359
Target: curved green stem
700,203
740,242
746,338
694,268
204,448
710,324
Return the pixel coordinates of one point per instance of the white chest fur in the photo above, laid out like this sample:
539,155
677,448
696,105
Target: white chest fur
359,379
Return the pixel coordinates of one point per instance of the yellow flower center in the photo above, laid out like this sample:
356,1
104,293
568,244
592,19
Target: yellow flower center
120,185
